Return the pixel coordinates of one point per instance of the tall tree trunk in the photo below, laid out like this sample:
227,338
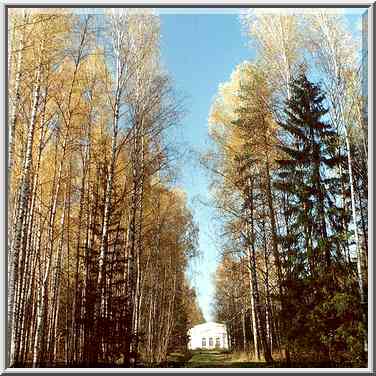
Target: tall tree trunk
17,92
243,330
18,247
106,215
56,286
40,340
260,317
354,220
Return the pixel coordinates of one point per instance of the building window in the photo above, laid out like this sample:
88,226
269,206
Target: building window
203,342
210,342
217,342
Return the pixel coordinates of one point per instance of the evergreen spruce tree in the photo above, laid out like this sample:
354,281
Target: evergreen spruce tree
308,174
316,294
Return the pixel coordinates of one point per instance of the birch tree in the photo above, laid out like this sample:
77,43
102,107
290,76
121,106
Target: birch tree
334,49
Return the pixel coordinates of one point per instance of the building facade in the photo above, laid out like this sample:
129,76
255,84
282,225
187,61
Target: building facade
210,335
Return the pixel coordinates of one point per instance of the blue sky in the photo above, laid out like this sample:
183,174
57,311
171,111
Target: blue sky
200,51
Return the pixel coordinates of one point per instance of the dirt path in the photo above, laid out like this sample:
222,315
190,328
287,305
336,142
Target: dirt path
212,359
209,359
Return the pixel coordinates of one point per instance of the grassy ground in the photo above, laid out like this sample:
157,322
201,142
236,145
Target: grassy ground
223,359
211,359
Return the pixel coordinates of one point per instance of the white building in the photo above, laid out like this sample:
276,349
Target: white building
209,335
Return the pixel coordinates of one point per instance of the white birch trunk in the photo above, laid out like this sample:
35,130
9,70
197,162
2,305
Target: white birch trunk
25,190
17,96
